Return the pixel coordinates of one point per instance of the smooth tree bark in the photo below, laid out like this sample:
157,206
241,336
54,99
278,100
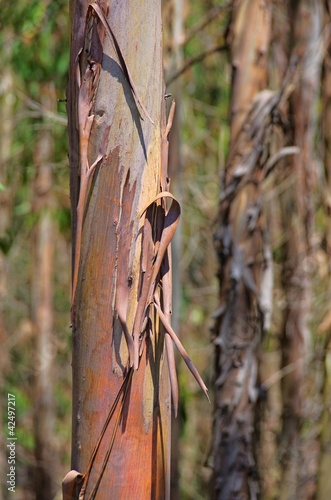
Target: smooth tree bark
122,227
298,213
42,308
245,271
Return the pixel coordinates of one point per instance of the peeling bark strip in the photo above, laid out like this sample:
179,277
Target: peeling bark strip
123,361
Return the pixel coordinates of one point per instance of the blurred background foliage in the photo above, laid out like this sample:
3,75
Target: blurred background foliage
34,47
34,52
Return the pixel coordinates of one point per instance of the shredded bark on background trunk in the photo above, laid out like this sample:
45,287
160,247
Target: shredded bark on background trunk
244,257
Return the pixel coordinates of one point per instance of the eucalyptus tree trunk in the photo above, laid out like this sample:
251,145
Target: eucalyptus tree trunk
324,463
298,214
43,307
110,132
245,272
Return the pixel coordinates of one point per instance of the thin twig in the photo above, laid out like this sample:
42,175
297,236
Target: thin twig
278,375
282,153
42,110
210,16
194,60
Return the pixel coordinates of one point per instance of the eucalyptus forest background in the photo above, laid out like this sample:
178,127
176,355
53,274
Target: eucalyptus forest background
284,201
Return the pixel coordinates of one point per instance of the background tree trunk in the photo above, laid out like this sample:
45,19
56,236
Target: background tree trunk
6,139
298,211
124,184
243,258
324,462
42,307
173,15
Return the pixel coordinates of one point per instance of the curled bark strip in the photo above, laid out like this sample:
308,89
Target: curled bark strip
69,483
170,226
147,254
165,149
180,347
172,371
151,270
167,307
85,178
124,67
163,194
